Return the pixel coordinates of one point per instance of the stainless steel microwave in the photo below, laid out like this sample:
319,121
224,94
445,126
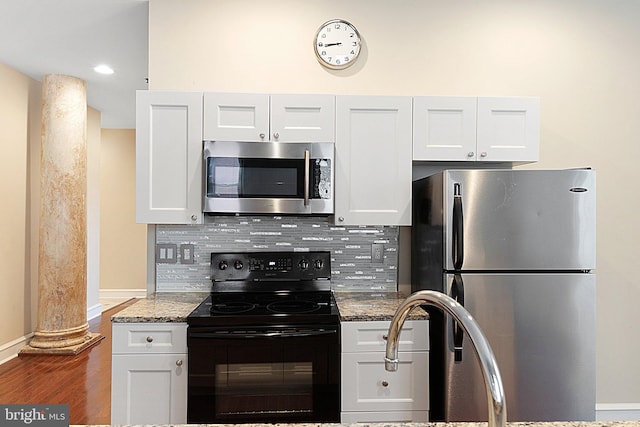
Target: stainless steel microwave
268,177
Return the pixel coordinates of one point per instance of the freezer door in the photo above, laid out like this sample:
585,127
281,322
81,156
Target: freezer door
519,220
541,329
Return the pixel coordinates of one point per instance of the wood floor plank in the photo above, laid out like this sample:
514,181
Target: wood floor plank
82,381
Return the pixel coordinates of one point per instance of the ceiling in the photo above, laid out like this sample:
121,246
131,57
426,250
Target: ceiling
71,37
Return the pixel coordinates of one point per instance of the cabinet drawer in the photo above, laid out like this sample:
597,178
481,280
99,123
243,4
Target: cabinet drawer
149,338
385,417
369,336
367,386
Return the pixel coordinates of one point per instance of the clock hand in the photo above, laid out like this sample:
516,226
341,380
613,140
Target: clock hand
333,44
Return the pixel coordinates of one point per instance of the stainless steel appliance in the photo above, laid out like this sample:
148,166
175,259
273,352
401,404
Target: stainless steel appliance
265,345
517,249
268,177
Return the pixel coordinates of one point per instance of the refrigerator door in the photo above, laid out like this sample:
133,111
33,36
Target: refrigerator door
541,328
519,220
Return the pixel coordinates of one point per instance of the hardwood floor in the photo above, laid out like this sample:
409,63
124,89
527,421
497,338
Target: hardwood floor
82,381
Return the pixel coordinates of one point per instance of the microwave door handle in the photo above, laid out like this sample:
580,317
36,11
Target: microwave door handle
306,177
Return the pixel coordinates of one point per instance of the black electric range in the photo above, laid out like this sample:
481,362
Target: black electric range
264,347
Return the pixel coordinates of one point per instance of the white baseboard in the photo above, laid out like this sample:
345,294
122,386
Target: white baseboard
11,349
122,293
618,412
94,311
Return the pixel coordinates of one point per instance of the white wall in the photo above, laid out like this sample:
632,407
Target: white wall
582,57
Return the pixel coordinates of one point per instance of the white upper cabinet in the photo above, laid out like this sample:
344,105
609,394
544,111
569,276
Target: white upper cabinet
444,128
508,129
168,157
373,160
491,129
262,117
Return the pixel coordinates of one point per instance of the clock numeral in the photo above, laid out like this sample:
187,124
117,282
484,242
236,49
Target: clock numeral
329,58
352,52
354,44
337,27
323,53
324,36
346,59
337,62
352,35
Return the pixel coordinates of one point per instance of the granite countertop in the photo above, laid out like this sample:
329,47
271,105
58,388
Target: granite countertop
176,306
391,424
367,306
161,307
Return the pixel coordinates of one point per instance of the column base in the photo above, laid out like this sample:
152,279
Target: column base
89,340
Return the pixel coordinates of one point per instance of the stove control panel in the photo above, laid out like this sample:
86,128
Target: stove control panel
263,266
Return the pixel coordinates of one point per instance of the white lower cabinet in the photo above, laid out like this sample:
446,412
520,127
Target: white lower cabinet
369,392
149,373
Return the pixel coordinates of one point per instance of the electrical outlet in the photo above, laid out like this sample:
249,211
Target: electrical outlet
166,253
186,254
377,252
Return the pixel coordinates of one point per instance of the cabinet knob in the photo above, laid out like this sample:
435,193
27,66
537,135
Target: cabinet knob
340,218
149,338
471,154
276,135
179,362
385,337
483,154
194,217
385,384
262,135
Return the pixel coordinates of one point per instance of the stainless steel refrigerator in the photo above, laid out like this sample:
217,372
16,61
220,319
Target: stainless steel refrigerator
517,249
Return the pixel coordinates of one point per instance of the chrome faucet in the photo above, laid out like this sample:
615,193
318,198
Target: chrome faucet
490,372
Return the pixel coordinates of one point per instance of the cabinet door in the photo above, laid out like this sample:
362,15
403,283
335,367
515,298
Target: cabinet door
236,116
367,386
508,129
303,118
149,389
373,160
444,128
168,157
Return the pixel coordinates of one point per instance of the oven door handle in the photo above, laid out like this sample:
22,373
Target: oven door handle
273,334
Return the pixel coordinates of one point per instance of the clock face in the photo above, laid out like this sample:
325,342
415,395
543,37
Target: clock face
337,44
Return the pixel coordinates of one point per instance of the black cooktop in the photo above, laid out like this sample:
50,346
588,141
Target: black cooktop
268,288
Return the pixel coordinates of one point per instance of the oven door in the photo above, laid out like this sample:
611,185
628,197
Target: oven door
259,374
270,177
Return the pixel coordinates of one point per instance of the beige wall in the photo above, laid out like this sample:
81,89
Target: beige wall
123,242
15,303
581,58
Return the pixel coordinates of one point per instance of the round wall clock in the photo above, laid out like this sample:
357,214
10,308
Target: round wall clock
337,44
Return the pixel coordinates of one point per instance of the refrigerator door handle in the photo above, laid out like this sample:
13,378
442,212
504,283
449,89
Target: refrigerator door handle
457,234
457,293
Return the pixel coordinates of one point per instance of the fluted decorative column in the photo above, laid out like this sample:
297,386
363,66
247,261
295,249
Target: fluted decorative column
62,266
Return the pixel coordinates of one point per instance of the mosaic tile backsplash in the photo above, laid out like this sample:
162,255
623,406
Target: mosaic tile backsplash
351,266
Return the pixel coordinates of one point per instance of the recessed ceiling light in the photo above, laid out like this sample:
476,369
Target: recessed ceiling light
103,69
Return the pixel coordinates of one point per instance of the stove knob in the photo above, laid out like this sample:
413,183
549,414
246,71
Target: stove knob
318,264
303,264
222,265
238,264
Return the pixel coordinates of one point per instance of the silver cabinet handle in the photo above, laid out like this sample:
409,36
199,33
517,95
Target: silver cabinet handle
385,384
385,337
483,154
340,218
179,362
471,154
149,338
194,217
276,135
262,135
